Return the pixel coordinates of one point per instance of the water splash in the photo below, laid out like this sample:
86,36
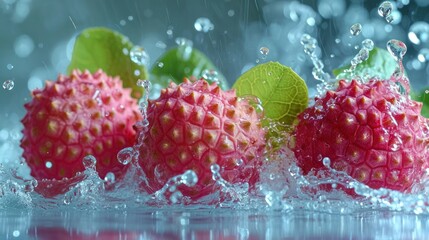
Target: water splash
169,192
310,46
398,49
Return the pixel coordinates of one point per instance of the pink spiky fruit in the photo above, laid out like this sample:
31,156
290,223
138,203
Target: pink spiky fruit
195,125
369,130
75,116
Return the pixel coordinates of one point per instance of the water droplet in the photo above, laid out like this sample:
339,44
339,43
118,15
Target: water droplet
385,9
126,155
160,44
332,55
210,75
397,49
137,72
184,42
8,84
139,56
109,179
419,32
146,84
337,40
89,161
264,52
423,55
326,162
161,64
130,18
16,233
122,22
356,29
307,39
170,32
214,168
427,91
125,51
231,12
48,164
368,44
203,25
389,19
9,66
189,178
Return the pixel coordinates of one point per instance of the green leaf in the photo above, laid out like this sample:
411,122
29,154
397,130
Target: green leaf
379,64
183,61
424,98
102,48
282,92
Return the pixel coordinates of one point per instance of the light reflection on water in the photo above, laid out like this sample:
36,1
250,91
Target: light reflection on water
183,223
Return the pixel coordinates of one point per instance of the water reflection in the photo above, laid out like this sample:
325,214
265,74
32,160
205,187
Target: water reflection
210,224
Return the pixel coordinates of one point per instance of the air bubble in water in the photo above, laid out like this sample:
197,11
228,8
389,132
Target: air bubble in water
385,9
89,161
203,25
419,33
397,49
356,29
210,75
368,44
423,55
139,56
8,84
125,156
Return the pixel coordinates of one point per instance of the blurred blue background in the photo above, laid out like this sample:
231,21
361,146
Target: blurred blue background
37,36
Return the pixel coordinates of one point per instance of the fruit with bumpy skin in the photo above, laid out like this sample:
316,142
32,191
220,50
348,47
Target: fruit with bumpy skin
195,125
73,117
369,130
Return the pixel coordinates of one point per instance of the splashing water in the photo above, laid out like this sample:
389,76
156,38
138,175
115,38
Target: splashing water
310,46
398,49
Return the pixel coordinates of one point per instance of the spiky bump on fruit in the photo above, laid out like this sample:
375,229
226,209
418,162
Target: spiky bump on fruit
73,117
194,125
369,130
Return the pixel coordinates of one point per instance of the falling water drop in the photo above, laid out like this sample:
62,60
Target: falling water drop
385,9
264,52
183,42
389,19
356,29
9,66
139,56
8,84
397,49
203,25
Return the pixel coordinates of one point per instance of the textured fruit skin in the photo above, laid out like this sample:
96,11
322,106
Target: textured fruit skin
369,130
75,116
194,125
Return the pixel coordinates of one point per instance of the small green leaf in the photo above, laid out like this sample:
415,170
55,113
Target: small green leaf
102,48
282,92
379,64
181,62
424,98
